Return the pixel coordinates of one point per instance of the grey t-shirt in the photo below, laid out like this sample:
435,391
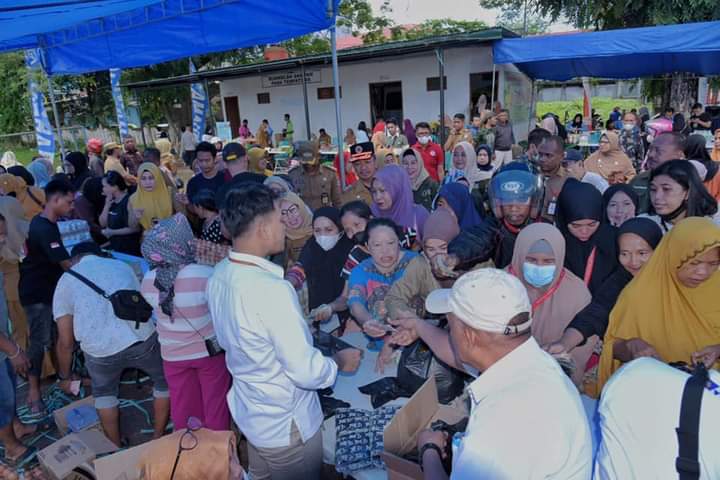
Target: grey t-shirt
187,141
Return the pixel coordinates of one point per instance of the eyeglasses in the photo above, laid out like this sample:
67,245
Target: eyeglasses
293,210
188,441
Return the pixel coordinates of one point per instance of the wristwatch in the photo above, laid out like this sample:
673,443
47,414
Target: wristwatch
425,448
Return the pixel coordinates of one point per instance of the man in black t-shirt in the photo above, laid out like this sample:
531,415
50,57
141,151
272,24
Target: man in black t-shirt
699,120
210,177
40,271
236,161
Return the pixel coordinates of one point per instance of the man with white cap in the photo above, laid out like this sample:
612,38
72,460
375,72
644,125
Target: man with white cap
526,420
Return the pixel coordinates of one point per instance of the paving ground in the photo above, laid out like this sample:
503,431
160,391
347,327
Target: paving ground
135,421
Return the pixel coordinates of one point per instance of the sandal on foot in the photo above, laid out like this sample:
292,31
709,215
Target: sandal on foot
21,459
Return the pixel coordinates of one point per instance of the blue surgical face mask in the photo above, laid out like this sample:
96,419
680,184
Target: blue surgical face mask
538,275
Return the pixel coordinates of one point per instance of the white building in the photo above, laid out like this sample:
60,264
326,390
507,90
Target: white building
395,79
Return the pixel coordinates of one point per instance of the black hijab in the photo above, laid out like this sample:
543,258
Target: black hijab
582,201
695,150
323,268
80,163
644,228
610,193
22,172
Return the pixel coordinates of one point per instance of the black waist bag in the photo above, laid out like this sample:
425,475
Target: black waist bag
686,463
127,304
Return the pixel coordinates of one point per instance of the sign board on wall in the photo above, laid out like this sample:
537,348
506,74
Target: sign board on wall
286,79
224,131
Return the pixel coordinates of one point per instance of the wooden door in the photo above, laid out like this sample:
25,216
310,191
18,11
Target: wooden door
232,114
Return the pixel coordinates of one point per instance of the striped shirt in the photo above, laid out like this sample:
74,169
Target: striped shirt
183,337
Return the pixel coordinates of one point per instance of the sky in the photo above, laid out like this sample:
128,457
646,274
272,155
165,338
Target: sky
416,11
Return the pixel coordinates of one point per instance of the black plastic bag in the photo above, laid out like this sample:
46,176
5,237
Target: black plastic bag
384,390
417,363
328,344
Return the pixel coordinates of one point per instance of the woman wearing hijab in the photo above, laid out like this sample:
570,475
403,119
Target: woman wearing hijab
409,131
378,139
591,244
17,231
464,165
112,162
610,161
175,287
637,240
677,192
320,265
671,310
279,185
486,167
88,206
695,150
8,160
393,199
32,199
76,168
297,218
557,295
362,135
41,170
548,123
620,204
424,187
631,141
457,199
151,202
20,171
258,162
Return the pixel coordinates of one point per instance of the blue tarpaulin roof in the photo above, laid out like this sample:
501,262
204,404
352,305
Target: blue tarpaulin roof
627,53
80,36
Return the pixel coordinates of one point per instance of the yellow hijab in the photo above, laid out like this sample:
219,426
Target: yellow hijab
157,204
255,155
305,230
676,320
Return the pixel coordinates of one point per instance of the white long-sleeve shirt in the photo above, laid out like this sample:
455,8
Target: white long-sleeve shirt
268,351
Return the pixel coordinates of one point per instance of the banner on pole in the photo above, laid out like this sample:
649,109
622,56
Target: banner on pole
199,106
119,104
43,131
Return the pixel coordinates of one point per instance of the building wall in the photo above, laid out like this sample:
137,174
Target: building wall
412,71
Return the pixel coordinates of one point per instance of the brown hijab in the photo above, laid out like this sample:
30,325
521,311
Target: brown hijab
613,165
553,314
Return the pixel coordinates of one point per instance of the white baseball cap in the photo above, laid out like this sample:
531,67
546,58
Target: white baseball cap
485,299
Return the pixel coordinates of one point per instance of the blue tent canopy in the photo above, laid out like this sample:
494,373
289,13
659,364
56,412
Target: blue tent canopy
79,36
628,53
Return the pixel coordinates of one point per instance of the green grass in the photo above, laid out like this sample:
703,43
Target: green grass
25,155
602,105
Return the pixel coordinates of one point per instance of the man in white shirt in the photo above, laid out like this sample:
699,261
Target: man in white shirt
526,419
639,411
574,165
260,325
110,344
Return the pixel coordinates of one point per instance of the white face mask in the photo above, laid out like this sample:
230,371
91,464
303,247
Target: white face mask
424,139
327,242
628,126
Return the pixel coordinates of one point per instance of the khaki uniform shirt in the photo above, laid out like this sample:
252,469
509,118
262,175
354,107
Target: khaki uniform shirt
357,191
320,189
463,135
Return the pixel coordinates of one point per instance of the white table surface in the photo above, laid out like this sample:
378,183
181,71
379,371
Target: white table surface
346,388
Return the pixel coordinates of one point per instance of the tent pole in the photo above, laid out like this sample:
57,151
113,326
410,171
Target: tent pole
492,92
305,101
51,93
338,116
440,53
531,113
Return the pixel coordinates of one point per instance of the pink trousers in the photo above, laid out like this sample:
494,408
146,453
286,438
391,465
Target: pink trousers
198,389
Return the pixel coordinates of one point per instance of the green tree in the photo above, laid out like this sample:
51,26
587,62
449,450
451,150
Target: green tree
436,27
514,20
15,112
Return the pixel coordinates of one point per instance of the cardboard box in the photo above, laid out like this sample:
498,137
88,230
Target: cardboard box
121,465
401,433
62,457
60,415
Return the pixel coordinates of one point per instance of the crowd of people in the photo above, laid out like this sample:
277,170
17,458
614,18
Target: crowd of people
534,274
